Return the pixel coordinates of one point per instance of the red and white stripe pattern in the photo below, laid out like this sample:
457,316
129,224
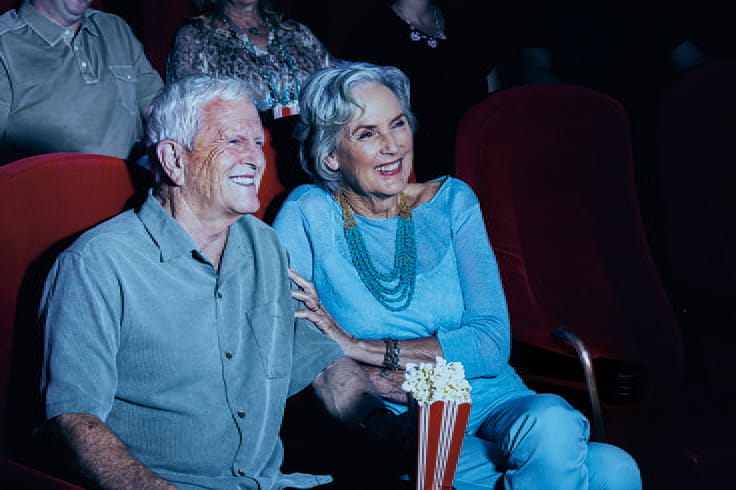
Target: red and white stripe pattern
280,111
441,431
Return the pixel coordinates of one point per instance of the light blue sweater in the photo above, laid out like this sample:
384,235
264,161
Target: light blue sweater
459,297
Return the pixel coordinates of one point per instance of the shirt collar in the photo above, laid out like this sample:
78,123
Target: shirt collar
49,31
170,237
174,241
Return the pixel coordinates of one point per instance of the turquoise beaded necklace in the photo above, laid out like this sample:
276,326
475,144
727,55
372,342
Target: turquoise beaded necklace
290,93
394,290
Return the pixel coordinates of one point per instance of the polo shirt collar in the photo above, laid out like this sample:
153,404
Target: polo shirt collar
170,237
49,31
174,241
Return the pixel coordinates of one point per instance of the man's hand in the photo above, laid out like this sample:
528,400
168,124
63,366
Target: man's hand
387,382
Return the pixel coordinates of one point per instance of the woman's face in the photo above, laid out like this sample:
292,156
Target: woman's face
375,149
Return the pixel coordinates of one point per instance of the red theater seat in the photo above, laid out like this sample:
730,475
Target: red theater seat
45,201
552,167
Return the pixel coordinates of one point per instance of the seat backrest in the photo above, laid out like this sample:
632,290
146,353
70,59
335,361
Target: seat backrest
696,138
271,191
45,201
552,167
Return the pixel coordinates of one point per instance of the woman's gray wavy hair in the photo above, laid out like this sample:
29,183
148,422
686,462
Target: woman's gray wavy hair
327,104
175,112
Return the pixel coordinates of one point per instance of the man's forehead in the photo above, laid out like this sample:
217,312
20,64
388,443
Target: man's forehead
243,105
231,113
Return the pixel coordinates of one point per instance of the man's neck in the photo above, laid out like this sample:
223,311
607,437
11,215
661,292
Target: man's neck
209,235
64,19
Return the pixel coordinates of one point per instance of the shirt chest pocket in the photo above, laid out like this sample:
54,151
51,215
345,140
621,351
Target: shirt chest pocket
273,329
125,81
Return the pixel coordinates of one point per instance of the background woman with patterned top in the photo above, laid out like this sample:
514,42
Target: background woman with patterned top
250,40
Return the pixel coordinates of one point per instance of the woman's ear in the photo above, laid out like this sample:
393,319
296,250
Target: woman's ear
172,157
331,161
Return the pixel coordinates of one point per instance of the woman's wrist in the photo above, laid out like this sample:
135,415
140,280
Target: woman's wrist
367,351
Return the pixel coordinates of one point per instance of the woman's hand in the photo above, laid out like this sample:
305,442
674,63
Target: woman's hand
367,351
316,313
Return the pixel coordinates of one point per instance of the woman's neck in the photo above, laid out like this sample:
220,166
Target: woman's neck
422,14
415,9
372,206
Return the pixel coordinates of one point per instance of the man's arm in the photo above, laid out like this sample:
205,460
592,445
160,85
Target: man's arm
101,455
349,395
346,392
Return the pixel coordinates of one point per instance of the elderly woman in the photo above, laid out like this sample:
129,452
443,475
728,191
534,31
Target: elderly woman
405,273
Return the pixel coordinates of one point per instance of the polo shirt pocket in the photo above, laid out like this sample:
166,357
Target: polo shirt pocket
125,79
273,329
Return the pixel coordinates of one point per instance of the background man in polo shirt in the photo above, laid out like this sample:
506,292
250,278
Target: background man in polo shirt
71,79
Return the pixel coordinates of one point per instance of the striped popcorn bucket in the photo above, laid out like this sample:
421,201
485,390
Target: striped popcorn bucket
441,430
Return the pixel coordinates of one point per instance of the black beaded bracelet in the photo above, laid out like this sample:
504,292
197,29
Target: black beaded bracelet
391,358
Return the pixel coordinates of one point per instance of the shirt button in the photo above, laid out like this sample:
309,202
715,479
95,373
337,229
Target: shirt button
228,354
241,414
219,294
76,48
84,64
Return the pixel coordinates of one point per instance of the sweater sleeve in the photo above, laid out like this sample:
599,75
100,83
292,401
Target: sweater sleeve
482,343
293,230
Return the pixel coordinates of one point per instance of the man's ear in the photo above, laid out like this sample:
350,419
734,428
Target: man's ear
172,157
331,162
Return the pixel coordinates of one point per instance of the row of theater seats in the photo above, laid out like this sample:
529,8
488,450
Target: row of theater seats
553,169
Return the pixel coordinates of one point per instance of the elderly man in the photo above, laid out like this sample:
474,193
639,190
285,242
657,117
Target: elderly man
71,79
171,341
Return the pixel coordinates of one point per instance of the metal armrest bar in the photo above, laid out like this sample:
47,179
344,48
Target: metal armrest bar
599,430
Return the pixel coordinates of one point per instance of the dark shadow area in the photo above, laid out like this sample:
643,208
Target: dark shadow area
316,443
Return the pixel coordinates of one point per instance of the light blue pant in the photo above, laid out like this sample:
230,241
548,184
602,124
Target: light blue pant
539,442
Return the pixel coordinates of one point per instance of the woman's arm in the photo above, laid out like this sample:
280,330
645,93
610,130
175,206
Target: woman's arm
186,56
371,352
483,340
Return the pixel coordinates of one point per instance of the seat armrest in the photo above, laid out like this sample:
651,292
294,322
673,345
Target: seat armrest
565,335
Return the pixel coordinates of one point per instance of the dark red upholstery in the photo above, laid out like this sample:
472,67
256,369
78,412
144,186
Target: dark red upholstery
271,191
162,19
697,152
552,167
44,202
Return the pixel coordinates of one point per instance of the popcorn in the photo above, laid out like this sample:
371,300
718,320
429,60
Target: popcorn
443,395
445,381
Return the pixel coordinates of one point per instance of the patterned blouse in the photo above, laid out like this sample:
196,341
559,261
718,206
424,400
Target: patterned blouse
208,44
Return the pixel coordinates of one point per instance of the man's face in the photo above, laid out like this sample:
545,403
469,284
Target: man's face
223,170
66,13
